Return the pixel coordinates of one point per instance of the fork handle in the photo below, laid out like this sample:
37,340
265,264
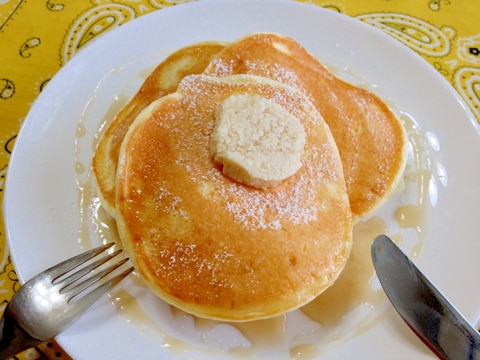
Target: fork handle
13,339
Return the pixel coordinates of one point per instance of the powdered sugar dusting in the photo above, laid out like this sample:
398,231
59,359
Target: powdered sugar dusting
295,203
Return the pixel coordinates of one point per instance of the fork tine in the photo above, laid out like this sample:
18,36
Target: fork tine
77,308
72,291
74,262
84,302
69,280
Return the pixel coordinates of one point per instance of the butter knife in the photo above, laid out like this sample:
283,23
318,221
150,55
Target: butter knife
422,306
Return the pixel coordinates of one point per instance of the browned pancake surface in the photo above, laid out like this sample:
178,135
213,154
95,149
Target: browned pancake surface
216,248
162,81
370,138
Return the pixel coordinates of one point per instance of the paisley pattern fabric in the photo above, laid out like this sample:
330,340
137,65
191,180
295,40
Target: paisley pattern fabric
37,37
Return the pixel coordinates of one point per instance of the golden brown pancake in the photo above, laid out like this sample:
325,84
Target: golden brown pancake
210,245
163,80
370,138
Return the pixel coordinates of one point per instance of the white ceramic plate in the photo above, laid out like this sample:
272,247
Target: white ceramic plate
43,215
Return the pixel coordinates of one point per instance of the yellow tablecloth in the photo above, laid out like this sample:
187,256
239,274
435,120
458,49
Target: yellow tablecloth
37,37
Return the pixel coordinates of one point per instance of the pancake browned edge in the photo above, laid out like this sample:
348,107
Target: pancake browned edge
163,80
216,248
370,138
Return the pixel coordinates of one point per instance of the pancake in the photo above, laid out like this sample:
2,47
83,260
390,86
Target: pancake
163,80
210,245
370,138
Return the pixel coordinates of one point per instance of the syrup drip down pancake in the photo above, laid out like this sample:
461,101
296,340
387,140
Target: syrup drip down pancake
210,245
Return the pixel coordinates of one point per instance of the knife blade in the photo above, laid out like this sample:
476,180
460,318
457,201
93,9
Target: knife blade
422,306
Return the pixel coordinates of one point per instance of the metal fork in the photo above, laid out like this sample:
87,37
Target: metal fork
51,301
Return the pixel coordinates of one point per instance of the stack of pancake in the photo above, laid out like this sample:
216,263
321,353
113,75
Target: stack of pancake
216,246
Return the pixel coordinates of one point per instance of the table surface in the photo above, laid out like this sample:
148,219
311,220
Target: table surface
33,35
